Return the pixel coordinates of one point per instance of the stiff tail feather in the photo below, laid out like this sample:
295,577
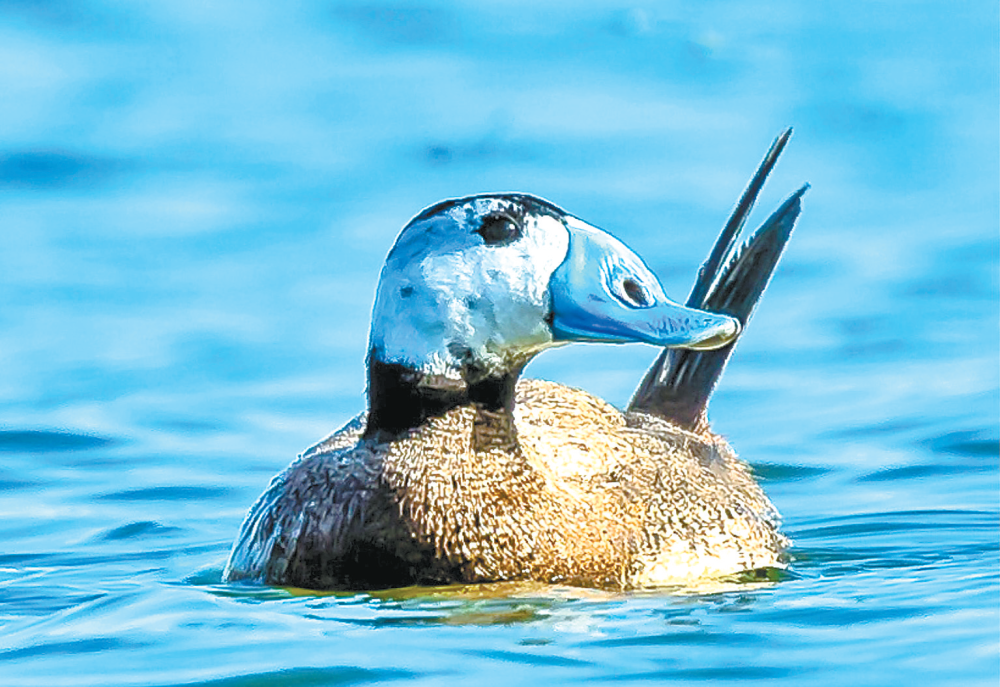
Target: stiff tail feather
733,279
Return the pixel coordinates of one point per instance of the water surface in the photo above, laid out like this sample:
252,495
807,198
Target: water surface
195,201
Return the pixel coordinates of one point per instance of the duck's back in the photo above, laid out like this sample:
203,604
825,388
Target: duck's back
702,513
586,495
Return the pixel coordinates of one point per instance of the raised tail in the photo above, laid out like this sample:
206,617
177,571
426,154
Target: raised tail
732,280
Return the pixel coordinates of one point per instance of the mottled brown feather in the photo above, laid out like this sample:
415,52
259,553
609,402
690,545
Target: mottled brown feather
578,493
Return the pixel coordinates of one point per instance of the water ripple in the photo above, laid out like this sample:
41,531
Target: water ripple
305,677
48,441
169,493
79,646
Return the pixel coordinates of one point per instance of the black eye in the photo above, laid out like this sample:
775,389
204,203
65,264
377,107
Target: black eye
635,292
499,229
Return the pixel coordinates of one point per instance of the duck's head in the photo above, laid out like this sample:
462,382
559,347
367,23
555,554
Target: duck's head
475,287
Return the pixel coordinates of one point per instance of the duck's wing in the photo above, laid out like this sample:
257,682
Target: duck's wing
298,532
679,384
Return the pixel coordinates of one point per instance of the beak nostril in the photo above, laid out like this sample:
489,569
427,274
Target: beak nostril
635,292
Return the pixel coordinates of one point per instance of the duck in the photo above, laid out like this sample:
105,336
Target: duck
460,471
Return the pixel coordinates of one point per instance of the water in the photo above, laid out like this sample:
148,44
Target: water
195,200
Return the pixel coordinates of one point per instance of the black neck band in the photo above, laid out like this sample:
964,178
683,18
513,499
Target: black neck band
401,398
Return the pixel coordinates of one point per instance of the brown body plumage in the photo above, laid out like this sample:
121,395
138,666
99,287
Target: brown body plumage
458,472
578,493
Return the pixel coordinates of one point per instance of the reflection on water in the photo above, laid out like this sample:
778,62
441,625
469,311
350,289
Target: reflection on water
196,200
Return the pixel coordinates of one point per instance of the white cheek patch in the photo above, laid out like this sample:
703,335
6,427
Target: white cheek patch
518,282
463,295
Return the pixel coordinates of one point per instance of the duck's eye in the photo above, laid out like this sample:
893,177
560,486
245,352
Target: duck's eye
635,293
499,229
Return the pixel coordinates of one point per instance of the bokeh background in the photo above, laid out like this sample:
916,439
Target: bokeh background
195,201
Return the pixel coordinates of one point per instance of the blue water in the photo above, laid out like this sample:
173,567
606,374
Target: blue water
195,200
